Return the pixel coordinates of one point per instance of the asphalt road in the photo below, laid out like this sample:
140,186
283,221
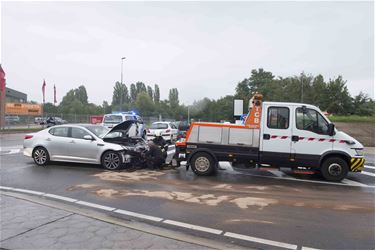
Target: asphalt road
303,210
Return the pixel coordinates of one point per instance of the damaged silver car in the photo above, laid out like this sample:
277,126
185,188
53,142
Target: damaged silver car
87,143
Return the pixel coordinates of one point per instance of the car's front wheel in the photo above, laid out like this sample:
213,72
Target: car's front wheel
334,169
111,160
40,156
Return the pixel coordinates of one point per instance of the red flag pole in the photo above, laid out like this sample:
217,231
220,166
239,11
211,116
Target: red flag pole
2,97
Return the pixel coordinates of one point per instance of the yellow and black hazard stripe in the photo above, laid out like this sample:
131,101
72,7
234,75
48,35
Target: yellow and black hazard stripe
357,164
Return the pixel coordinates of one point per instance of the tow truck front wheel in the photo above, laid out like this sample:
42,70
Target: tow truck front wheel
334,169
203,164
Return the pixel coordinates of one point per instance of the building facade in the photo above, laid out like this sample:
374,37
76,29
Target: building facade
12,96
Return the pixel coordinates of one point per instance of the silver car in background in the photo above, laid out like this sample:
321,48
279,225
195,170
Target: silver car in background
86,143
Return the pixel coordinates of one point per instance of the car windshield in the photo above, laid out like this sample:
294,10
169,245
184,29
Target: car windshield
98,130
159,126
113,119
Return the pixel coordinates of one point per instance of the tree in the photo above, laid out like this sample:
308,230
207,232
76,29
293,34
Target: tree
156,94
173,98
120,94
106,107
141,87
150,92
339,100
258,80
133,93
144,104
81,94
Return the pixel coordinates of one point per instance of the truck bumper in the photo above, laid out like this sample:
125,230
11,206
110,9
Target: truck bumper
357,164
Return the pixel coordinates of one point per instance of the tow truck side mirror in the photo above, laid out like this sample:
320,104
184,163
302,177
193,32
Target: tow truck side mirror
331,129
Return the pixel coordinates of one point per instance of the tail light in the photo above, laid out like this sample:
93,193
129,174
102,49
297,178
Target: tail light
167,131
28,137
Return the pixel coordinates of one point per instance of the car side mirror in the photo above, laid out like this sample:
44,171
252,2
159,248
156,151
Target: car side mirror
331,129
88,137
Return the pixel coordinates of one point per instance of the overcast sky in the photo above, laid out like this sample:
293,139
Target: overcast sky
202,48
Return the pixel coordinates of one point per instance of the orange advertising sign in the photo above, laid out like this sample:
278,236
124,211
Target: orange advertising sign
23,109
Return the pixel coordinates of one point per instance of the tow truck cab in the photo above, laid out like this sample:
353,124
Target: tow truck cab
275,134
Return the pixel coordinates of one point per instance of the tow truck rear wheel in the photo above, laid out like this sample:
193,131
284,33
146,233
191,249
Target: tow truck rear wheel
203,164
334,169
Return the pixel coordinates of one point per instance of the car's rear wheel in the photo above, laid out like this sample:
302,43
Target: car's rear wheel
203,164
111,160
334,169
40,156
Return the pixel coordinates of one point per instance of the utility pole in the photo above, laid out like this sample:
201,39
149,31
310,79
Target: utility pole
302,87
121,94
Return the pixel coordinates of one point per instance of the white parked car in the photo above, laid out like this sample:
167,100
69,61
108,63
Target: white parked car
111,120
87,143
168,130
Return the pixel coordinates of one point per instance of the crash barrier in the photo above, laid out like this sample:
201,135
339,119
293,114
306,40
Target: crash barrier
34,121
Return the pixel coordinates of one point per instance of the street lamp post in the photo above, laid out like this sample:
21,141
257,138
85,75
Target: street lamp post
121,94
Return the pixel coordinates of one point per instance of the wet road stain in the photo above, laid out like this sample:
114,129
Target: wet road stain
132,176
253,201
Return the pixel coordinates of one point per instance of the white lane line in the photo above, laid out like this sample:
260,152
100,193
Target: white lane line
142,216
58,197
6,188
309,248
260,240
368,173
301,180
370,167
353,183
89,204
195,227
27,191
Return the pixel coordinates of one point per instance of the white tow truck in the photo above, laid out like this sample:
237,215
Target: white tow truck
274,134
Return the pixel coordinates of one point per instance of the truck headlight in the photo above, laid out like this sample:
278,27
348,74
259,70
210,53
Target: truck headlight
359,151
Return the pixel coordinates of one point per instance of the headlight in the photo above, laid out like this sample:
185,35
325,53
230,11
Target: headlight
359,151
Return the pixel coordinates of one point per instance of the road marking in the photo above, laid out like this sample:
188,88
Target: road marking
157,219
260,240
368,173
309,248
58,197
89,204
353,183
370,167
190,226
142,216
303,180
6,188
27,191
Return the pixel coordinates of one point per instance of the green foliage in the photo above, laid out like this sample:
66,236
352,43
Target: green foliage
351,118
332,96
120,94
156,94
150,92
144,104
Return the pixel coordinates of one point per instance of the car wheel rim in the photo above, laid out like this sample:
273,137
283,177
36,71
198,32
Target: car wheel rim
202,164
40,156
111,161
335,169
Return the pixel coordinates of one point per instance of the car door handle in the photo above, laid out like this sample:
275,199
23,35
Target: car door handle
266,136
295,138
72,141
100,144
48,139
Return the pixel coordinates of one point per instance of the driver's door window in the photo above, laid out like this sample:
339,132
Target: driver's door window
311,120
